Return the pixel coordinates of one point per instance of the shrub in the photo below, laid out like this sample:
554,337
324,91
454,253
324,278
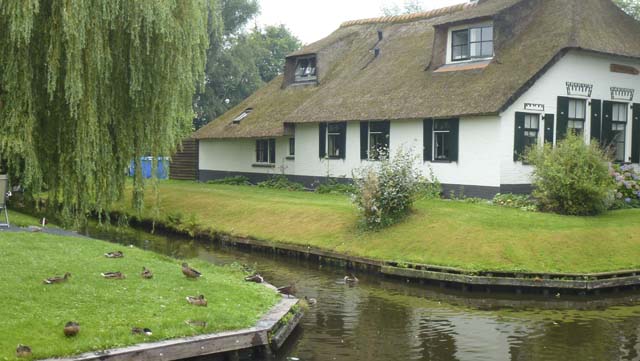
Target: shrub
333,186
281,182
572,178
520,201
627,183
386,190
429,187
235,180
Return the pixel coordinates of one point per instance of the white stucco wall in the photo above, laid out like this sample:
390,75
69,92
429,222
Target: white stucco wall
575,66
239,155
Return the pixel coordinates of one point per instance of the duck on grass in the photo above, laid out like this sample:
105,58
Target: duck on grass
64,316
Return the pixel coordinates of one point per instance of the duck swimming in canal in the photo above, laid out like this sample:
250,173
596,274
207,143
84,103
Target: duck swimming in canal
197,301
350,279
190,272
71,328
57,279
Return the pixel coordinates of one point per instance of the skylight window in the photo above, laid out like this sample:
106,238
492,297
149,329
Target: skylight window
306,69
242,115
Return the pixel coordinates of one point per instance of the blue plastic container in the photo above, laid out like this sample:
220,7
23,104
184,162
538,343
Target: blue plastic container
162,170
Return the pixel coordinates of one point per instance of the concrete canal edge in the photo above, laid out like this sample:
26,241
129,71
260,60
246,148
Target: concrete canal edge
268,335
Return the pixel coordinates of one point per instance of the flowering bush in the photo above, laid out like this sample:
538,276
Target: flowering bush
386,190
627,180
520,201
572,178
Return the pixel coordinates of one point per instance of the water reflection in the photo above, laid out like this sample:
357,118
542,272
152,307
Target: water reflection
386,320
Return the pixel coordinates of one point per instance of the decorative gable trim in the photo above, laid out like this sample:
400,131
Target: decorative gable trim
534,107
579,89
622,94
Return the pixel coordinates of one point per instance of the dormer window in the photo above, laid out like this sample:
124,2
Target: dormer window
306,69
242,115
475,42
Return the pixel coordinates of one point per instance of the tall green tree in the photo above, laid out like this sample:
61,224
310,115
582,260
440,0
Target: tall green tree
88,85
631,7
240,61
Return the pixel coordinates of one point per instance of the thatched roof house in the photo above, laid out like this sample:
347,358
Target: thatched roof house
472,62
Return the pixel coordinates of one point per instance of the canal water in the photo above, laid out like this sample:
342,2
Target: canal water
383,319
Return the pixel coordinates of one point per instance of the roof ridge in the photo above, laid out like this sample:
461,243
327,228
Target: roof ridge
411,17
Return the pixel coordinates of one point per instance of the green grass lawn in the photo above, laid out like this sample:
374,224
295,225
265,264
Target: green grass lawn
34,314
439,232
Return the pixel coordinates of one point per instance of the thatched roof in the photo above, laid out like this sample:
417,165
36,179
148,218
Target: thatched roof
403,81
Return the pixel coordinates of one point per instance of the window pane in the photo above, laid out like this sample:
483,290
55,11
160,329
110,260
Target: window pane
442,146
475,34
461,52
460,37
334,128
292,146
376,145
377,126
531,121
572,108
476,50
333,145
487,33
487,49
619,113
618,144
580,105
441,125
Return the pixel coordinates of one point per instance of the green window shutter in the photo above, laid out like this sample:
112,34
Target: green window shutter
596,119
343,140
427,139
563,118
549,120
323,140
272,150
518,143
454,126
607,131
635,134
364,140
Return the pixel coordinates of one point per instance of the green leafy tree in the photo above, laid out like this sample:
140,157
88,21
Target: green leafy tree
240,62
631,7
86,86
409,7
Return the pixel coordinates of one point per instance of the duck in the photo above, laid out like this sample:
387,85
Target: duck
254,278
146,273
197,300
196,323
287,290
23,351
57,279
190,272
113,275
310,300
115,254
71,328
350,278
141,331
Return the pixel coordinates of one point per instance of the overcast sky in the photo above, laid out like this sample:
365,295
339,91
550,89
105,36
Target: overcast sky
313,20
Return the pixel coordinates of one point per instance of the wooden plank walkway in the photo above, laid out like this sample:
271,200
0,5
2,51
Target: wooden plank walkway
176,349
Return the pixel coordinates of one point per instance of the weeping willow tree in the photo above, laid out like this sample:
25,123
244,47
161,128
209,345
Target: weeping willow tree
88,85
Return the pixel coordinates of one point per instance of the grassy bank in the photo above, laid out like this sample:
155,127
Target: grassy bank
34,314
439,232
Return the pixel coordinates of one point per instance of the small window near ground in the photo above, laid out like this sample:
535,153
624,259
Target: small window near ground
576,116
292,146
618,130
472,43
378,139
265,151
305,69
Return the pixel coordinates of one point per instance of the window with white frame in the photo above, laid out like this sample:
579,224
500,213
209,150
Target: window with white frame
576,116
472,43
378,139
441,137
618,130
334,140
531,129
265,151
305,69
